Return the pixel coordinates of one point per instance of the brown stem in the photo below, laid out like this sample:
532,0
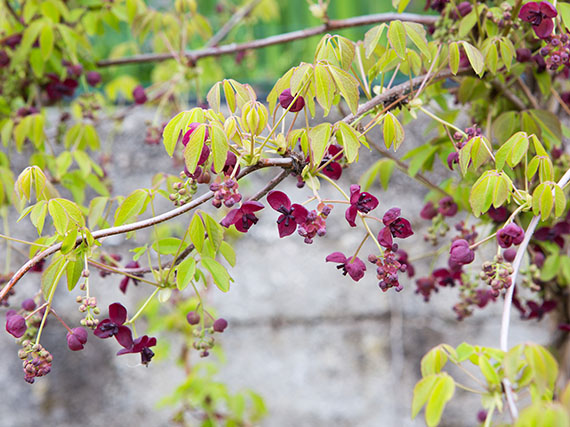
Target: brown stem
194,55
122,229
12,11
232,22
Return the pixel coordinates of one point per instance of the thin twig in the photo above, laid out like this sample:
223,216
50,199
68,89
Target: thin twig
232,22
12,11
194,55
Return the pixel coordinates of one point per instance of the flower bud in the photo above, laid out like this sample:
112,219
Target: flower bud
193,318
254,117
16,325
286,98
29,304
77,339
220,325
139,95
93,78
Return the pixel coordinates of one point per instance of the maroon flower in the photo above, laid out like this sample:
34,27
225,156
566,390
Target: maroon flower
140,345
77,339
395,226
499,214
333,170
445,277
359,202
193,318
113,326
125,281
286,98
425,286
29,304
429,211
16,325
447,207
291,215
243,217
353,266
524,54
510,255
452,159
57,89
13,40
230,165
186,138
460,253
139,95
512,234
484,297
540,16
4,59
93,78
220,325
538,311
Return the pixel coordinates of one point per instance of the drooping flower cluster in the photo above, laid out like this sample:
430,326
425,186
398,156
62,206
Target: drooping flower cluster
36,360
497,274
387,269
204,340
225,192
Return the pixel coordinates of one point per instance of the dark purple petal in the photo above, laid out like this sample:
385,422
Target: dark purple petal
391,215
124,283
401,228
285,99
105,329
193,318
285,228
139,95
350,215
460,253
547,9
452,159
16,325
510,235
528,11
429,211
232,217
354,193
499,214
300,213
447,207
336,257
29,304
510,255
355,269
251,206
385,237
333,170
117,313
544,29
278,199
76,339
124,337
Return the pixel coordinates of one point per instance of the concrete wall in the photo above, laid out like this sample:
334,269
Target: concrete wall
321,349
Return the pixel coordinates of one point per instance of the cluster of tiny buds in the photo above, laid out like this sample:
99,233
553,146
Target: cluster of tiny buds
36,360
388,268
557,51
469,234
204,343
497,274
183,191
506,17
315,224
225,193
88,304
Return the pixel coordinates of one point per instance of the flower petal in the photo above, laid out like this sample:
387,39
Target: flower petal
544,29
333,170
232,217
251,206
300,213
117,313
385,237
278,199
336,257
124,337
528,10
391,215
547,9
286,228
350,215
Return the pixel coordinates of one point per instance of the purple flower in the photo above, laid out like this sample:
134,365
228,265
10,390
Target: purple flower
16,325
77,339
125,281
333,170
395,226
139,95
29,304
512,234
425,286
230,165
140,345
402,258
429,211
524,54
452,159
291,215
447,207
359,202
220,325
286,98
113,326
484,296
93,78
243,217
499,214
4,59
460,253
57,89
540,16
193,318
538,311
353,266
445,277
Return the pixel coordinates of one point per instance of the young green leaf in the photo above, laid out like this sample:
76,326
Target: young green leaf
132,206
397,38
185,273
219,273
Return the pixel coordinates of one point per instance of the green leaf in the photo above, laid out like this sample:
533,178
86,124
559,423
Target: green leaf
422,392
502,190
550,268
220,146
559,201
441,393
482,192
479,151
178,124
507,52
348,139
397,38
68,243
74,270
96,211
434,361
185,273
325,87
214,230
348,87
467,23
319,137
46,41
564,11
464,351
417,34
475,58
393,131
372,37
132,206
38,215
492,58
512,151
488,371
454,57
194,147
197,232
228,253
51,276
218,272
167,246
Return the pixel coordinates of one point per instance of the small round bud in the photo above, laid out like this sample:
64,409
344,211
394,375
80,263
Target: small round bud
220,325
193,318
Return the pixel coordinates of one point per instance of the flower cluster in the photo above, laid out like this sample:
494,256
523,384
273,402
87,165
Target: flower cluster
226,193
114,326
36,360
497,274
204,342
352,266
315,223
387,268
